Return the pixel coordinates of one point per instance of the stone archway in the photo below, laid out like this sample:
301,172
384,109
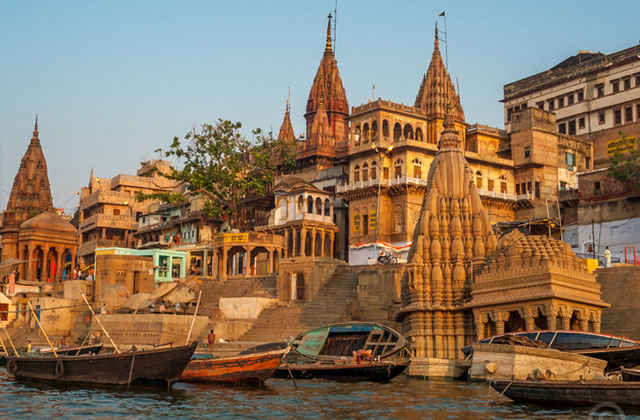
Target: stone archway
38,264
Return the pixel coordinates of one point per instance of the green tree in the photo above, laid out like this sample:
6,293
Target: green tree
625,166
220,164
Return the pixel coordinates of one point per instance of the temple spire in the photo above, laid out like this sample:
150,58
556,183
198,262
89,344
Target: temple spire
436,43
328,46
35,131
449,138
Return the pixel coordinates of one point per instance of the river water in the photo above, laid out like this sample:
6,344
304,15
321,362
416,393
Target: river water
404,398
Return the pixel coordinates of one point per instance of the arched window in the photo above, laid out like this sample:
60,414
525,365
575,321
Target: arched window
373,170
385,128
408,132
374,130
503,184
397,132
479,180
398,220
365,133
356,222
319,206
397,168
310,205
356,134
419,135
300,204
417,168
365,172
327,207
356,174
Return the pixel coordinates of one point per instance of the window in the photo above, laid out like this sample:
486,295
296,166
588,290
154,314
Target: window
356,174
365,224
638,111
397,167
517,189
385,128
479,180
509,112
562,128
373,170
617,116
581,122
560,101
529,187
356,223
580,96
596,188
627,83
599,90
570,99
503,184
540,105
601,119
551,103
116,212
571,160
417,168
628,114
637,80
490,184
587,162
572,127
616,86
527,152
365,172
537,186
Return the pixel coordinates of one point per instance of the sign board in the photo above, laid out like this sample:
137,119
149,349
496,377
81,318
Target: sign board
622,145
231,237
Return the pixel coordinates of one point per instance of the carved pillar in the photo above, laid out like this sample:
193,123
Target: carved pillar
225,267
59,268
479,329
44,270
303,242
529,320
313,243
322,253
270,268
584,324
247,261
286,243
333,238
500,321
565,322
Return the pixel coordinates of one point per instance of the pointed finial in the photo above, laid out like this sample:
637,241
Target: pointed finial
328,47
288,100
449,126
35,130
436,43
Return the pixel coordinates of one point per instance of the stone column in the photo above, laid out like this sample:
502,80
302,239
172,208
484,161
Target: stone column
313,243
479,330
584,324
322,233
529,320
205,265
25,269
224,273
44,270
286,243
333,238
565,322
303,241
104,233
293,242
59,268
247,261
270,262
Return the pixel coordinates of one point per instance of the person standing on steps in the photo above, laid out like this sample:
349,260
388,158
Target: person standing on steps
607,257
211,338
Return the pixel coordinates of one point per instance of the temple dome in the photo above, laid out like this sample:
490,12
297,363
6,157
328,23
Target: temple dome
49,221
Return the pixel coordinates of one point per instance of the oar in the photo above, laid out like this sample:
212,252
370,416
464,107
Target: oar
10,341
194,317
85,340
41,329
100,323
3,347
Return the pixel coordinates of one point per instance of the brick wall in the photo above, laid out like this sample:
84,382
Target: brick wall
621,288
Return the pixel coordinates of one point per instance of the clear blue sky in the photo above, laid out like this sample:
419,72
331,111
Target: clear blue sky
114,80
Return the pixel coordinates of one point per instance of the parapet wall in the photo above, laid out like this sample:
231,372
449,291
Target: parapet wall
620,287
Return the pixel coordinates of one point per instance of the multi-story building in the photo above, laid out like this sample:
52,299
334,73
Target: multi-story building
594,96
109,211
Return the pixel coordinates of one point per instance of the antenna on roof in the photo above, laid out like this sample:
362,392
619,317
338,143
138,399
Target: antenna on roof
446,40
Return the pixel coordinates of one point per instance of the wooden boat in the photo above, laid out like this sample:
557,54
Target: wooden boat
242,369
337,341
376,371
74,351
156,367
617,351
587,393
630,375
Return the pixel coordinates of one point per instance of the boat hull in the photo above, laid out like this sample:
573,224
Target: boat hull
628,357
631,375
383,371
73,351
243,369
589,393
159,366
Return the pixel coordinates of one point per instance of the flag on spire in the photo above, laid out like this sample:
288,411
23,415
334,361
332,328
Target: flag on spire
441,14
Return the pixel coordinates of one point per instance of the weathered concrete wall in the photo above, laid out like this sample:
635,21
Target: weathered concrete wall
314,271
133,272
244,307
144,330
378,293
504,361
73,288
620,287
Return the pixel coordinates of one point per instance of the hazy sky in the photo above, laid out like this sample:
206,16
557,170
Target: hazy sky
114,80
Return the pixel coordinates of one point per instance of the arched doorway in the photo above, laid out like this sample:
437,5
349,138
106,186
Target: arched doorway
38,264
515,322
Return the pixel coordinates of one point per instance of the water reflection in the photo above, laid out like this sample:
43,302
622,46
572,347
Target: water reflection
401,399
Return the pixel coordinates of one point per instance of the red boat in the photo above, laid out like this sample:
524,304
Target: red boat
242,369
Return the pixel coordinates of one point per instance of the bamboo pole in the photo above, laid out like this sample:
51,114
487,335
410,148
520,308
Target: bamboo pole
194,317
41,329
3,347
100,323
10,341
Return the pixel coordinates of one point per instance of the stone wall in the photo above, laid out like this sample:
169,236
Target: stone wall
620,287
378,294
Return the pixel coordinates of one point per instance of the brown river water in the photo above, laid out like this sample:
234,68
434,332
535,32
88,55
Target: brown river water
404,398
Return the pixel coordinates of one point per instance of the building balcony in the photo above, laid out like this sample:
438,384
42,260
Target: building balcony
89,247
106,197
403,180
125,222
500,195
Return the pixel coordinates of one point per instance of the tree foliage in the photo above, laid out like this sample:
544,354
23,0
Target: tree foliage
220,164
625,167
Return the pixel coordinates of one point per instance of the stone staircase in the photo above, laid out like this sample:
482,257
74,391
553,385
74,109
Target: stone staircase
213,290
332,304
